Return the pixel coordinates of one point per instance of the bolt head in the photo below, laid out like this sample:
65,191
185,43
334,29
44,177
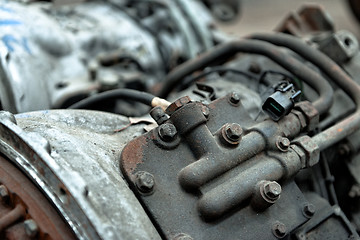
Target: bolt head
233,132
177,105
283,143
167,132
309,210
31,228
279,230
234,98
144,181
4,193
158,114
272,190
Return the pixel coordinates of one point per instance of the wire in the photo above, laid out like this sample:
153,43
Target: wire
219,69
128,94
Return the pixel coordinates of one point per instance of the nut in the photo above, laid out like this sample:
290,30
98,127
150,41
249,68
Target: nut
158,114
177,104
309,148
279,230
309,210
167,132
272,190
283,143
232,133
144,182
234,98
310,113
31,228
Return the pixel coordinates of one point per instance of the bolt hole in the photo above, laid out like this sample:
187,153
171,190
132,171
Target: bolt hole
347,42
62,191
61,85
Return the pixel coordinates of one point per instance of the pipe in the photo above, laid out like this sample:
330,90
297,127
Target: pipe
128,94
225,51
349,125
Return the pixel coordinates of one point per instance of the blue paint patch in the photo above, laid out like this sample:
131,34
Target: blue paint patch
9,22
6,9
10,41
25,44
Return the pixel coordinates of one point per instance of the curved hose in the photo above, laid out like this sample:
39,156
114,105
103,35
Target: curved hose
128,94
225,51
349,125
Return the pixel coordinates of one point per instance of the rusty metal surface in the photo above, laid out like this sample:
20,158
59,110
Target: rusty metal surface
310,19
200,187
21,192
53,149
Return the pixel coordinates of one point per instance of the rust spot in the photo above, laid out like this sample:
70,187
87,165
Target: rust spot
340,130
132,155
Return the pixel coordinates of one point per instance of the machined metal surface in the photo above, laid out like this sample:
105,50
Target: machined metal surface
55,161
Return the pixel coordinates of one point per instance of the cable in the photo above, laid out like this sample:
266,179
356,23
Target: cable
349,125
224,52
219,69
128,94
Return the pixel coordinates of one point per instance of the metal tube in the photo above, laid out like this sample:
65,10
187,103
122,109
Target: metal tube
349,125
224,52
212,165
232,193
11,217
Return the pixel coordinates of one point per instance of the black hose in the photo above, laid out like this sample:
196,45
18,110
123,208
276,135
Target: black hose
349,125
223,52
127,94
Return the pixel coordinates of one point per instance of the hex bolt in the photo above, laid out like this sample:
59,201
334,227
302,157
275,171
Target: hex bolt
233,133
234,98
279,230
31,228
158,114
144,182
177,105
167,132
4,193
309,210
272,190
283,143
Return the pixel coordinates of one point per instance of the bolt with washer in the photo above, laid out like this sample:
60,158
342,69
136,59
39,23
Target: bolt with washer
144,182
232,133
272,190
167,132
279,230
309,210
234,98
283,144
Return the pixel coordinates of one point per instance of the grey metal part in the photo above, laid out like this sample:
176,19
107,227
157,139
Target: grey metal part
47,49
79,172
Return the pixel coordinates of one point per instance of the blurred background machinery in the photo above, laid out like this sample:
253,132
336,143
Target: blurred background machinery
126,119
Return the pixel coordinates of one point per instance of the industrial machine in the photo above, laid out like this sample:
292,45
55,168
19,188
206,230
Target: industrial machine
140,120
